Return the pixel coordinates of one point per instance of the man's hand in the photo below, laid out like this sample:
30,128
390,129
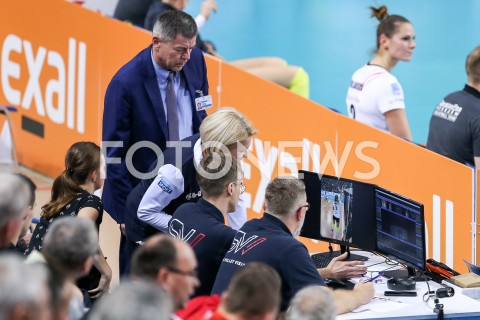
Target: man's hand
338,269
122,229
207,7
364,291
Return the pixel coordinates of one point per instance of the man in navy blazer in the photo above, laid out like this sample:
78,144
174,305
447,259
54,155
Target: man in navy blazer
135,126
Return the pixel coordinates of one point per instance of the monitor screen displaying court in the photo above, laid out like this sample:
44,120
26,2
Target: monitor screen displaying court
336,198
342,211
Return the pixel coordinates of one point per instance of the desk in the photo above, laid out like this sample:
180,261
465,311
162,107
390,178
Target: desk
457,307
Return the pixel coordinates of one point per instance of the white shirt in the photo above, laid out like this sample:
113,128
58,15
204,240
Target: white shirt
156,198
336,210
373,91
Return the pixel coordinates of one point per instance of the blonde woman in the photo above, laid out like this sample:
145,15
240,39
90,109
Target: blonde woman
152,202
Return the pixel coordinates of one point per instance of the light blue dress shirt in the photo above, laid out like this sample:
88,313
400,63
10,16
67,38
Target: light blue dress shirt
184,102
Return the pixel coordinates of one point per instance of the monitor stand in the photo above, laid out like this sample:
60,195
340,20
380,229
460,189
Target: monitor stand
408,272
350,257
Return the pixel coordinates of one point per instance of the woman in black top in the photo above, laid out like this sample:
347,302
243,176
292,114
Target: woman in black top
72,195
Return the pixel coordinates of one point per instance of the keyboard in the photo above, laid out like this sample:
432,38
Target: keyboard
321,260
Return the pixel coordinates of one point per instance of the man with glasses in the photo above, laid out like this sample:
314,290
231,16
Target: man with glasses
271,240
202,224
170,263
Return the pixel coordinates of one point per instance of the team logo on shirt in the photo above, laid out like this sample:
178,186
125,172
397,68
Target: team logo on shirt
396,89
447,111
164,186
240,243
193,195
356,85
177,229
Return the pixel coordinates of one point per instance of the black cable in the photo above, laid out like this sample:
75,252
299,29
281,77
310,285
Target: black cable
438,310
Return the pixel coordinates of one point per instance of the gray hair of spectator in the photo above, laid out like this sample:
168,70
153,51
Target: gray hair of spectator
69,242
253,291
225,127
216,172
172,23
14,197
312,303
473,66
32,187
137,300
282,195
21,283
159,251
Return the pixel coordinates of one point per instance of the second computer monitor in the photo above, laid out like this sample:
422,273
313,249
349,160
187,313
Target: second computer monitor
400,229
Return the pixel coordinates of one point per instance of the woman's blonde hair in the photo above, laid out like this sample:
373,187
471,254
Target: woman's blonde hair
226,126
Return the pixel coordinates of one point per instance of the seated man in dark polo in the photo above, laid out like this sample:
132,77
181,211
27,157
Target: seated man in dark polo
202,224
271,240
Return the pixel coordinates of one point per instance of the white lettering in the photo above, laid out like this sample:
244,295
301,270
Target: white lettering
266,166
361,156
56,86
82,69
34,66
66,91
11,69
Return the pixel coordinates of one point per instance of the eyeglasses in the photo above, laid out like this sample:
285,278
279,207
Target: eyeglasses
192,273
243,186
305,206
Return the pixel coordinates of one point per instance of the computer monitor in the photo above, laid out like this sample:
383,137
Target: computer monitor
400,231
341,211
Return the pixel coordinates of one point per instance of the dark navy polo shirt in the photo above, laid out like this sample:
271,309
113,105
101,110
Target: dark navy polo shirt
202,226
455,126
268,240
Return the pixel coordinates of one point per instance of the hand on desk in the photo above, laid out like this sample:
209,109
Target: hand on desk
338,269
366,291
348,300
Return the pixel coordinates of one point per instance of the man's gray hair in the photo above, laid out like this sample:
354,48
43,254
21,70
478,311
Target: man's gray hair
282,195
14,198
138,300
69,242
312,303
21,283
172,23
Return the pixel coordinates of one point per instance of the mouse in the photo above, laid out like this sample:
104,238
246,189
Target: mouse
335,283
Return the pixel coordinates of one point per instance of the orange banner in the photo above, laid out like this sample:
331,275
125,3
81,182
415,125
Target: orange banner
56,74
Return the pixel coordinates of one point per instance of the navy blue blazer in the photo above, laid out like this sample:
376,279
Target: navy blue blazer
134,112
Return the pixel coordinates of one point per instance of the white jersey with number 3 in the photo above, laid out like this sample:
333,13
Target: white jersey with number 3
373,91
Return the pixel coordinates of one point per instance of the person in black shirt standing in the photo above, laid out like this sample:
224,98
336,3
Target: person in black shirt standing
455,124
